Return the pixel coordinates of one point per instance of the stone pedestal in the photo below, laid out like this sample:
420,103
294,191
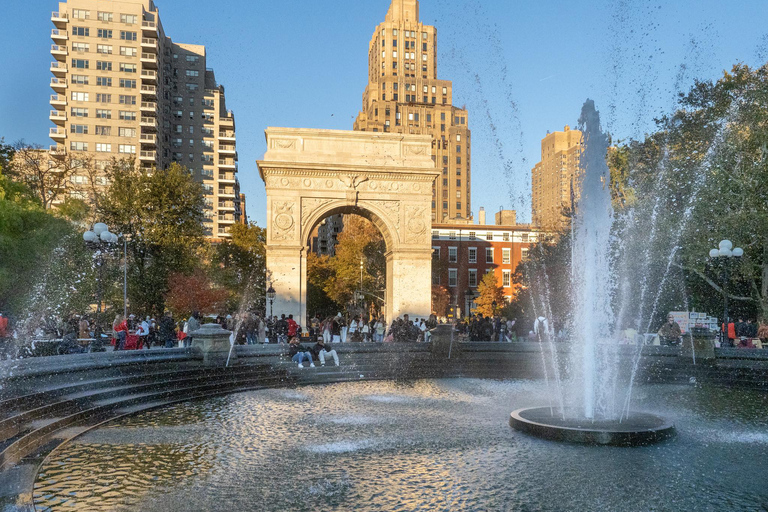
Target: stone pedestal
700,343
213,342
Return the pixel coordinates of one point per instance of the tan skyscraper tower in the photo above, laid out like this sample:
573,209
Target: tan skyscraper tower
552,177
124,89
404,96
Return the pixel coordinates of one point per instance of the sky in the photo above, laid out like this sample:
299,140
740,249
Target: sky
521,67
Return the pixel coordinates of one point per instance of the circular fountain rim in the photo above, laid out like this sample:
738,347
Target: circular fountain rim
641,429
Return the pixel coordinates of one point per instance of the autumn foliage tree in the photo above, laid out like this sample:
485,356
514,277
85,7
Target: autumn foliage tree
489,292
194,292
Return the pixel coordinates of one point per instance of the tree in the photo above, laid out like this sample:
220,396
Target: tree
239,266
194,292
338,277
441,300
161,211
47,175
489,292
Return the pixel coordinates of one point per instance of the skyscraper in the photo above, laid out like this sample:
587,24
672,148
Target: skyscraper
125,89
403,95
553,179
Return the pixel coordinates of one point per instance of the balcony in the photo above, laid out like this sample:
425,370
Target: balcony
57,151
149,106
57,133
226,205
59,19
149,90
58,50
227,177
57,100
58,84
59,68
226,191
228,136
147,155
149,75
148,138
207,174
148,122
227,163
149,59
226,219
223,233
58,116
59,35
227,149
149,43
149,27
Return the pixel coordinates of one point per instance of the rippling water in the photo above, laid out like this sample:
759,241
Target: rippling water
428,445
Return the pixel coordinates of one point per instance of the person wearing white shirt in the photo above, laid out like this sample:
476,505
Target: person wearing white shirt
143,333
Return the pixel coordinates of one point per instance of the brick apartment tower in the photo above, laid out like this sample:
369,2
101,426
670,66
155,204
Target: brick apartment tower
124,89
552,177
404,96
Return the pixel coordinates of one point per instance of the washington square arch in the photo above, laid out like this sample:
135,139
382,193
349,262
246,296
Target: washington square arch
386,178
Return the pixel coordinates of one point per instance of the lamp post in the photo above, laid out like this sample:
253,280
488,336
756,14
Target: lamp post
724,253
99,239
271,297
469,295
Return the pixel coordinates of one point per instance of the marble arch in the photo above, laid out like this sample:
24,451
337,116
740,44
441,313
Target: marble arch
311,174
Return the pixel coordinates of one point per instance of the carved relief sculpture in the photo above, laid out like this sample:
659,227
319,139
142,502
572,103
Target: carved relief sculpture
415,224
283,220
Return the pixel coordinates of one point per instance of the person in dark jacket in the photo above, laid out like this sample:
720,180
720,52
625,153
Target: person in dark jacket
298,353
321,351
167,330
281,327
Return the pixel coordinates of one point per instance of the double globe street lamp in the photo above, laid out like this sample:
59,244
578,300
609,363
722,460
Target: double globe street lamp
725,253
99,239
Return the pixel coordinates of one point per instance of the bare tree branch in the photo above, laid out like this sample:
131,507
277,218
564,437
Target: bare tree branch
714,285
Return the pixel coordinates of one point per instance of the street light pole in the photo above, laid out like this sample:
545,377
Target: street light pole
271,297
99,238
724,253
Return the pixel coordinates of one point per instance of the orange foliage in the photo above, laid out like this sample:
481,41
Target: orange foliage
196,292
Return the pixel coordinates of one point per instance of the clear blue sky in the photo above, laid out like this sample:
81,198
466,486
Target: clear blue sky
520,67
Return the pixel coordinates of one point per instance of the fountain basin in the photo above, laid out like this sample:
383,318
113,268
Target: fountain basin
639,429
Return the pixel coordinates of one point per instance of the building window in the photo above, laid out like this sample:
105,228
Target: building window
435,253
127,132
79,128
104,98
506,255
192,58
445,182
104,16
127,100
79,79
104,48
103,148
452,277
104,81
191,87
102,65
472,255
452,255
127,68
128,18
80,14
81,31
127,84
489,254
104,33
506,278
458,160
445,205
524,253
192,72
435,235
458,183
78,146
103,114
81,47
525,237
505,237
489,236
79,112
127,36
472,235
80,63
79,96
127,51
451,235
472,278
103,130
127,115
126,148
458,206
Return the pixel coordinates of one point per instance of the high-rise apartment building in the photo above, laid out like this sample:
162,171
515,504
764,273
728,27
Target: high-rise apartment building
555,176
404,96
125,89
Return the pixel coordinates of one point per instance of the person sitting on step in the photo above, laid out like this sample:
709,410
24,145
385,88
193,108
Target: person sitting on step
298,353
322,351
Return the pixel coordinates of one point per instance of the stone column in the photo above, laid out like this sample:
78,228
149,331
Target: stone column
410,289
213,342
285,271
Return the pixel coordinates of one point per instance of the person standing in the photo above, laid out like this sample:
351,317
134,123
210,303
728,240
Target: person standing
193,324
352,332
120,327
249,326
378,330
336,329
167,330
142,331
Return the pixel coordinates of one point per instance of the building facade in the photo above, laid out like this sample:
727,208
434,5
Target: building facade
122,88
404,95
463,252
554,177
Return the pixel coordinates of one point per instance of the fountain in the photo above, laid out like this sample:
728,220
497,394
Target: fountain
600,414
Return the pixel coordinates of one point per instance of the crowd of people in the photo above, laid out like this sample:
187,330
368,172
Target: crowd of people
487,328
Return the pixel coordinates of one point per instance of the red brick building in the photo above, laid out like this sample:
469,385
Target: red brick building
464,252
